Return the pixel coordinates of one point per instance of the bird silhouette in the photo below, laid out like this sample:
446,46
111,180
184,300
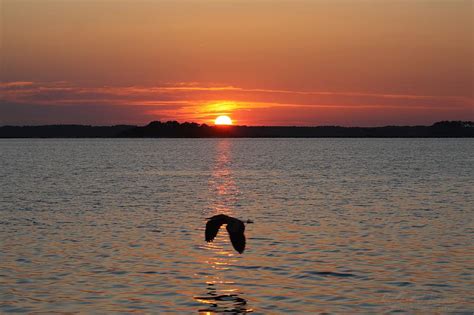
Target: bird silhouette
235,228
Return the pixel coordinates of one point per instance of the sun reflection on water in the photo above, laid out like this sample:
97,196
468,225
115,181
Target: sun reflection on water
222,294
222,185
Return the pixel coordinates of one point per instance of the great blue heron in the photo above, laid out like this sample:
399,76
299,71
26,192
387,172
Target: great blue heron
235,228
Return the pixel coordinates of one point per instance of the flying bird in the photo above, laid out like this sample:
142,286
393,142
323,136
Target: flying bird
235,228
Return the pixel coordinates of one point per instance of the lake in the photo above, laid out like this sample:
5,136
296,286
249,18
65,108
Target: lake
340,225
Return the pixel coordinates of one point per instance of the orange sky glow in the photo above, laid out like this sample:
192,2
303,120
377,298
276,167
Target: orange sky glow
262,62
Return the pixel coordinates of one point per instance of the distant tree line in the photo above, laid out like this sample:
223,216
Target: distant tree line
62,131
174,129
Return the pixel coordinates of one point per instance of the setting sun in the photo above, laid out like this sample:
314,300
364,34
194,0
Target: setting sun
223,120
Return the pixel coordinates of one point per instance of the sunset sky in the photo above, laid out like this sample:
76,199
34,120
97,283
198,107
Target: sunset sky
262,62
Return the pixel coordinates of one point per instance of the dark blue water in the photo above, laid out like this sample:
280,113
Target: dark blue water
341,225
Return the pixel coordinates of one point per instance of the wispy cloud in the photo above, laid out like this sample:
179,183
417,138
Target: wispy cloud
193,101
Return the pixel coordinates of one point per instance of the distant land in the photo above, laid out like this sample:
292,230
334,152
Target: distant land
173,129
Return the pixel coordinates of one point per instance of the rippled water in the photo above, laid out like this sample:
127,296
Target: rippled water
341,225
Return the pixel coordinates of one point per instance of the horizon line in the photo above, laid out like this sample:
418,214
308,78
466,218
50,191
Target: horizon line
467,122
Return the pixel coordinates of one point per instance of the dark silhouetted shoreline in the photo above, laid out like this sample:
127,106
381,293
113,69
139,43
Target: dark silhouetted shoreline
63,131
173,129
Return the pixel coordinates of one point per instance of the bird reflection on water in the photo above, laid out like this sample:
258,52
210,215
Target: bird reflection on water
217,303
221,295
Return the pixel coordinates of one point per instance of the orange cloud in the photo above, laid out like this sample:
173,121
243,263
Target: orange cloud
202,103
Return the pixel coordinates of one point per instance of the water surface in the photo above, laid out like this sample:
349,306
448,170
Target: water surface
341,225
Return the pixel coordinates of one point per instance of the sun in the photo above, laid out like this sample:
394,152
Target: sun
223,120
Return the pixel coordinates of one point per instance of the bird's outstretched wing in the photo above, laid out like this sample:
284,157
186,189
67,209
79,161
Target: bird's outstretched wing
237,237
213,226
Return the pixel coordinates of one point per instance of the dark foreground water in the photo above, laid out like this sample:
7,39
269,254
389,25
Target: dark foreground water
341,226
